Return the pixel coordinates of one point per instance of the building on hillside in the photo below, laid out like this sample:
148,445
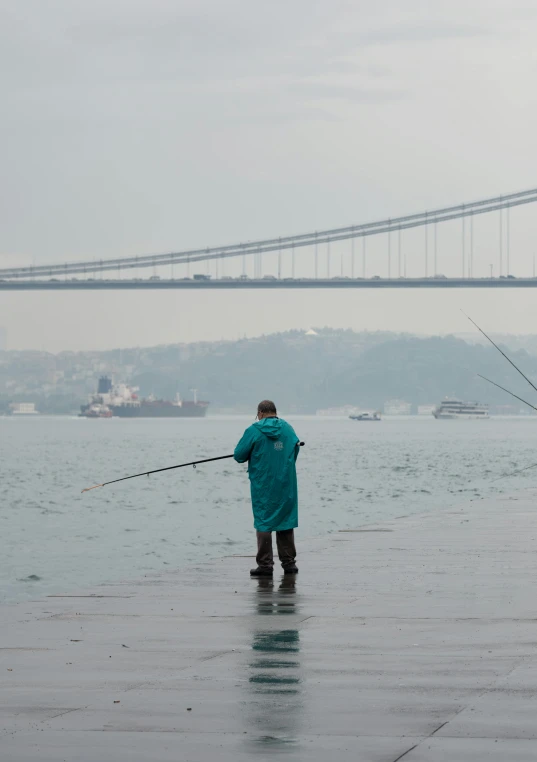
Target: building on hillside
509,410
345,411
426,409
23,408
397,407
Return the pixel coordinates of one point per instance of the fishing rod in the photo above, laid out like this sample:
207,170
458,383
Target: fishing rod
193,463
510,361
502,353
534,465
507,390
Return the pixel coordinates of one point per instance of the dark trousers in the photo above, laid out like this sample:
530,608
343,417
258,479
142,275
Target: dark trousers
285,542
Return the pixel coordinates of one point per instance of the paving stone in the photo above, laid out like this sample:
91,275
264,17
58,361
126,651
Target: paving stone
417,637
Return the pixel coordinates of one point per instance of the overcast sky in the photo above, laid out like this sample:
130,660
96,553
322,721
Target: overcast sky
136,126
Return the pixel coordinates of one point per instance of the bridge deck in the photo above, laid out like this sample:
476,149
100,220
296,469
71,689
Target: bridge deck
416,638
262,283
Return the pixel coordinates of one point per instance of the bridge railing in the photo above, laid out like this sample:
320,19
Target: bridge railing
278,244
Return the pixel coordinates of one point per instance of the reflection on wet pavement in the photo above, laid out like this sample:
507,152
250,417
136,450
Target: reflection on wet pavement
274,682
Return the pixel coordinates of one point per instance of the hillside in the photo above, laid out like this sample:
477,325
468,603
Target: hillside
301,372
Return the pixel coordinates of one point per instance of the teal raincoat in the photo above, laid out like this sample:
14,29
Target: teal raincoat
271,448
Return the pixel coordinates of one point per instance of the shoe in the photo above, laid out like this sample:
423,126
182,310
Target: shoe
262,572
291,570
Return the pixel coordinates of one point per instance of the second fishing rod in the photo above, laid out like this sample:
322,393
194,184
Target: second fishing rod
533,407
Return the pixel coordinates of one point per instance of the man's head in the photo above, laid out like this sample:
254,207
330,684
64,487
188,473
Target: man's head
266,409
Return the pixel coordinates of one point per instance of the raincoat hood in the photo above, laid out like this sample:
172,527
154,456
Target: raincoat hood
270,427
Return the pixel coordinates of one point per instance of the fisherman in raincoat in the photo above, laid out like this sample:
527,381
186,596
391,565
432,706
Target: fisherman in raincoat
271,448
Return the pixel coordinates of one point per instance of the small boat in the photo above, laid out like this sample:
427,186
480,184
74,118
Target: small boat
96,411
366,416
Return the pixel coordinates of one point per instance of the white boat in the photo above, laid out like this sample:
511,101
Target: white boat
365,416
96,410
452,408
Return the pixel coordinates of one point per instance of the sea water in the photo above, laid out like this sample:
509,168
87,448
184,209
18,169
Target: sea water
55,539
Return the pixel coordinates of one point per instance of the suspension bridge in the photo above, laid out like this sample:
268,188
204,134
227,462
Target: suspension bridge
334,258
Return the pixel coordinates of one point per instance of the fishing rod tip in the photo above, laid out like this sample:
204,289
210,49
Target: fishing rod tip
90,488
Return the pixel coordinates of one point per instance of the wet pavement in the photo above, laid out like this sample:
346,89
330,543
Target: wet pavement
414,639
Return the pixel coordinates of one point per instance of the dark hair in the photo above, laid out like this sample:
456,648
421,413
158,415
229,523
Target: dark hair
266,406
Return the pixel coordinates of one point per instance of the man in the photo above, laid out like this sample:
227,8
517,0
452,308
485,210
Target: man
271,448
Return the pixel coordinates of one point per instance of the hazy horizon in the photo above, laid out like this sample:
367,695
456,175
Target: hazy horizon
471,338
157,126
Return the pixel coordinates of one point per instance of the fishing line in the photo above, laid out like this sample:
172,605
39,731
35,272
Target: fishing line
512,473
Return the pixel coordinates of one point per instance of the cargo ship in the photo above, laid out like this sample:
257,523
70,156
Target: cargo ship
123,401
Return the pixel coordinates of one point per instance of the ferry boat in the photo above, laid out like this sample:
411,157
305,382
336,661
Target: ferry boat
366,416
452,408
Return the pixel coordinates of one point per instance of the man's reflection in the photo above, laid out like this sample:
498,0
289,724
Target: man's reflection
274,670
